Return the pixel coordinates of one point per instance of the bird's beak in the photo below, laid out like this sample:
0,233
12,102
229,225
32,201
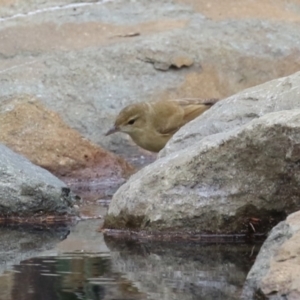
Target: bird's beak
112,130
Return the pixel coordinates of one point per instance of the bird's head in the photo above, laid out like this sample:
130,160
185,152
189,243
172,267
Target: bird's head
130,120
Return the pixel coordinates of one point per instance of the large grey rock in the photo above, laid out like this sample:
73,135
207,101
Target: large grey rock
26,189
217,184
276,95
275,273
80,59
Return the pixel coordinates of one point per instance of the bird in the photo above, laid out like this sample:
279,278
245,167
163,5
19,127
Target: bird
151,124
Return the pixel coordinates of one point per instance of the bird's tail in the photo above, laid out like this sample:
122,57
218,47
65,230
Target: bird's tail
196,101
211,101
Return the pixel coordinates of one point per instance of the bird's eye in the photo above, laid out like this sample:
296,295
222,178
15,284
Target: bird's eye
131,122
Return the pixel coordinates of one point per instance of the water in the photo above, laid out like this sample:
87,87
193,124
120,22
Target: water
78,262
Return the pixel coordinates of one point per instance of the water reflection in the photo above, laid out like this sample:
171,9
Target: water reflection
88,266
184,271
66,277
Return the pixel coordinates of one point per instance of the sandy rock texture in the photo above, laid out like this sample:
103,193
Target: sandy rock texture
86,60
31,129
223,180
275,274
26,189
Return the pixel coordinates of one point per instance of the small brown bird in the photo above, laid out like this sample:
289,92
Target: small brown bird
151,124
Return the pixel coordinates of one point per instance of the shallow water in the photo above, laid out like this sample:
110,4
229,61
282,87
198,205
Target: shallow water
78,262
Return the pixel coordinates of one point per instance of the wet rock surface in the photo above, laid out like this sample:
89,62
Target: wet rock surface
26,189
218,184
275,274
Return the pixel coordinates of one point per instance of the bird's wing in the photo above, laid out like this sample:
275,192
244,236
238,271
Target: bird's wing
169,129
194,107
185,110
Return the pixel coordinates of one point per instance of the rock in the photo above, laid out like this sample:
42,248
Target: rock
75,58
26,189
275,273
220,183
31,129
237,110
219,10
